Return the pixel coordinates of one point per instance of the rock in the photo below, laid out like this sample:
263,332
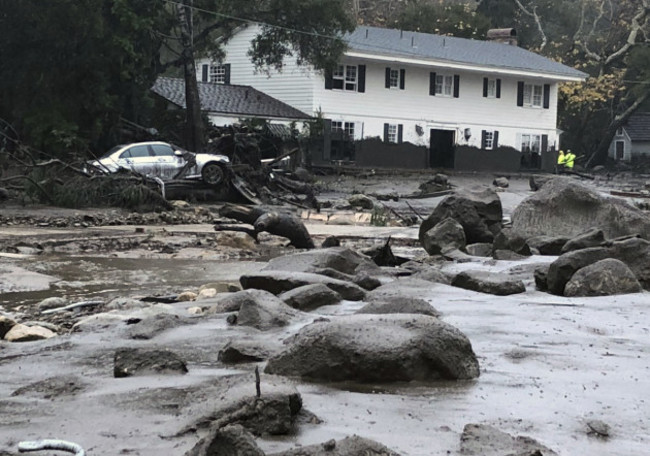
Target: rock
634,252
479,211
304,175
480,249
231,440
331,241
398,304
564,207
432,274
180,204
349,446
408,287
125,304
262,310
547,245
195,310
130,362
369,348
24,333
285,225
340,259
221,287
238,351
603,278
598,428
445,236
206,293
501,182
53,388
240,241
590,238
507,239
6,324
310,297
52,303
507,255
366,281
361,201
540,276
484,440
186,296
488,282
278,282
149,327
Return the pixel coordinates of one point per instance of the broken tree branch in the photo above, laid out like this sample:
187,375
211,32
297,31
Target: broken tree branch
538,22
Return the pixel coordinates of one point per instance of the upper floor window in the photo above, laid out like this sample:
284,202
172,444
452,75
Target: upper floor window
533,95
619,131
345,78
395,78
491,88
217,74
444,85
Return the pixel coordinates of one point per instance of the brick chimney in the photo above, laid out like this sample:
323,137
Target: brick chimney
504,35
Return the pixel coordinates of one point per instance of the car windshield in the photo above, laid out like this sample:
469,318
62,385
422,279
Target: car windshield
112,151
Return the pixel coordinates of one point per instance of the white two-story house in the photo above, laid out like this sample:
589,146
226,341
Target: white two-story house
429,90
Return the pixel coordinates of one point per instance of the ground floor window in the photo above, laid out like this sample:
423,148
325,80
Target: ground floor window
531,143
346,127
391,137
489,139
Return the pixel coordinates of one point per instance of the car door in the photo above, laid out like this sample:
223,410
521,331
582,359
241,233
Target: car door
166,161
137,158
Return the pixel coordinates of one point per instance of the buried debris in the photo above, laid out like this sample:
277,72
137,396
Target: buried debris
51,444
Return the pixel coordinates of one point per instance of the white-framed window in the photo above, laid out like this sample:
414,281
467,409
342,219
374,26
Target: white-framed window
393,79
489,139
217,74
347,127
619,131
533,95
444,85
492,88
391,135
531,143
345,78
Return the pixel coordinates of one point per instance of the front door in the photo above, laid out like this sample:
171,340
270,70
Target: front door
441,150
620,150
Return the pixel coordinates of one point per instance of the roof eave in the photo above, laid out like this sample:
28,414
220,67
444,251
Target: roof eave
463,66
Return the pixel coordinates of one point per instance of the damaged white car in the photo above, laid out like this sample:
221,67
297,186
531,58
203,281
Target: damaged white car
164,161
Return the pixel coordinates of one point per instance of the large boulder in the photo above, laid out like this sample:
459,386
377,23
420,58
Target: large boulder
349,446
547,245
24,333
130,362
479,211
603,278
149,327
263,310
399,304
310,297
488,282
369,348
507,239
485,440
445,236
593,237
6,324
634,252
340,259
230,440
278,282
564,207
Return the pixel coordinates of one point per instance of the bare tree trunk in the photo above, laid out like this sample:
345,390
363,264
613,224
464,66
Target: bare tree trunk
194,122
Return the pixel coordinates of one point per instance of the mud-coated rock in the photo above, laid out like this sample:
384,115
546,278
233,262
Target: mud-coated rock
445,236
361,201
593,237
24,333
634,252
129,362
485,440
501,182
310,297
285,225
479,211
488,282
432,274
349,446
603,278
564,207
340,259
540,276
510,240
547,245
262,310
52,303
385,348
480,249
6,324
399,304
149,327
241,351
230,440
278,282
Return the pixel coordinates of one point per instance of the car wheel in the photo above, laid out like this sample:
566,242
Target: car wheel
213,174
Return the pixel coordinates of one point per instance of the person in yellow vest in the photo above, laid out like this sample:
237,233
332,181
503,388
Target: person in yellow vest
569,159
561,161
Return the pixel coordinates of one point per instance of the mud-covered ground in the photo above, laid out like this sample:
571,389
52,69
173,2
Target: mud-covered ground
548,364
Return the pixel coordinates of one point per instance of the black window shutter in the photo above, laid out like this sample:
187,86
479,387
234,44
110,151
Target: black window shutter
544,143
456,86
483,137
432,84
204,72
386,132
520,93
402,79
498,88
485,87
495,140
400,133
547,96
328,79
388,77
361,83
227,78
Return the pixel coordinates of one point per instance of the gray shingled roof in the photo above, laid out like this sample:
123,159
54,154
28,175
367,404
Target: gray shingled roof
638,126
457,50
236,100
